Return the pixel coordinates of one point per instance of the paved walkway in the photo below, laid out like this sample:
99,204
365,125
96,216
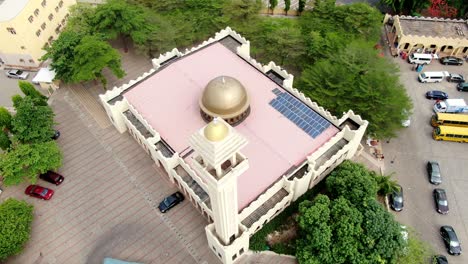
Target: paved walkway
107,205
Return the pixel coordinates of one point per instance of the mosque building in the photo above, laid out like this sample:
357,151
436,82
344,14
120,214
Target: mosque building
234,135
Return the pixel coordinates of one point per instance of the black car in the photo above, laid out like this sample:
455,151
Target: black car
439,259
438,95
433,171
52,177
440,198
170,201
450,240
456,78
450,60
56,135
396,199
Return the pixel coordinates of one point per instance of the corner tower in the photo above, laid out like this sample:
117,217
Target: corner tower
219,163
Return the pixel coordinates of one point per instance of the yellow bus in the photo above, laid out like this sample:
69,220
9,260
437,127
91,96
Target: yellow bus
443,119
450,133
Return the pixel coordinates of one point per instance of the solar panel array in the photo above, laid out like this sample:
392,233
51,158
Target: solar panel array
300,114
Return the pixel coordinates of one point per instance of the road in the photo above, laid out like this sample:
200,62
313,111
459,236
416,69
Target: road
408,154
9,87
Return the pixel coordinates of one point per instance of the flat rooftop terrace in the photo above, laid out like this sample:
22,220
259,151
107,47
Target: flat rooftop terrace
168,100
434,27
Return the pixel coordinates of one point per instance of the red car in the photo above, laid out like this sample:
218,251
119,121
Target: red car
39,192
52,177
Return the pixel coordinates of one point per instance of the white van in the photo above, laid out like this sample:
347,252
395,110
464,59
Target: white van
431,76
420,58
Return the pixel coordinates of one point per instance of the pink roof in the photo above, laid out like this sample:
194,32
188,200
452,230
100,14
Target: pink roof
168,100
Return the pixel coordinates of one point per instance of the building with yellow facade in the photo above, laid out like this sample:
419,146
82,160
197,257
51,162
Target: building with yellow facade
26,26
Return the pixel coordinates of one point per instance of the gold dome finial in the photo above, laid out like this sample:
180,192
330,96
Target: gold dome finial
216,130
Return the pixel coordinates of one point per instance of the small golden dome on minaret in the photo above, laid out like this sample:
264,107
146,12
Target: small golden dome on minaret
216,130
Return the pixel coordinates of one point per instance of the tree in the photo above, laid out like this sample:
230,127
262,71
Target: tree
357,78
92,55
441,8
28,89
62,54
272,5
5,118
241,11
385,184
417,250
383,238
26,161
81,16
300,6
32,123
352,181
408,7
15,226
313,220
5,142
118,18
287,6
339,230
288,50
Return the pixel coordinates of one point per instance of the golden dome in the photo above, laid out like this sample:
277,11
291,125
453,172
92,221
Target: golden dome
216,130
225,97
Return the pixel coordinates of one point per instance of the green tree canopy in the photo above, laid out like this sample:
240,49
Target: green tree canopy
119,18
32,123
15,226
5,118
81,17
92,55
357,78
5,141
27,161
385,184
28,89
62,54
339,230
352,176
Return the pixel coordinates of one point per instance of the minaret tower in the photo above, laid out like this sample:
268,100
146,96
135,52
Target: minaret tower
219,163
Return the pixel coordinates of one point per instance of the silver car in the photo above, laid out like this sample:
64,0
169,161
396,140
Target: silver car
433,171
17,74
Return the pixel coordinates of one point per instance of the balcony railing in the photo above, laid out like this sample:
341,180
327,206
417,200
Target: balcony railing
139,126
196,188
264,208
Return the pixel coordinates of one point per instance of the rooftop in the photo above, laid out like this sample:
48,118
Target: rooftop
434,27
9,9
278,140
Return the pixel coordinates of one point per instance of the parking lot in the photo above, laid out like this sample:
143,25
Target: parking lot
9,87
408,154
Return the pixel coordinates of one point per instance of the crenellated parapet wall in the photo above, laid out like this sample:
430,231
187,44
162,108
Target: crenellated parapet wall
165,57
116,91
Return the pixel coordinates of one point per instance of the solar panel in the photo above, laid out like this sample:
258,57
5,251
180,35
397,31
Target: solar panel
300,114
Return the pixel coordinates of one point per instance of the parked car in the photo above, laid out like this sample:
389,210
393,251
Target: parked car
450,240
170,201
438,95
56,135
439,259
433,171
17,74
455,77
440,198
450,60
463,86
40,192
396,199
52,177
